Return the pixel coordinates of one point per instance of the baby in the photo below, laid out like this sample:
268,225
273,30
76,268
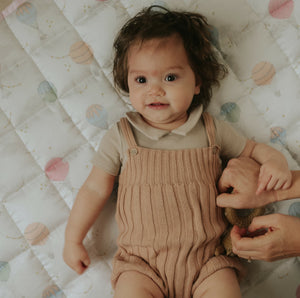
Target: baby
167,153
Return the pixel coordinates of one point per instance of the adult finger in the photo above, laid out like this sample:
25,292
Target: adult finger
230,200
240,244
246,247
262,222
225,181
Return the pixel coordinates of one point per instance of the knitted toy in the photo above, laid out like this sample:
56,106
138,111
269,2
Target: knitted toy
240,217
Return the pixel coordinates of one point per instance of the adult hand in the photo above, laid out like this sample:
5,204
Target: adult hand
281,240
241,175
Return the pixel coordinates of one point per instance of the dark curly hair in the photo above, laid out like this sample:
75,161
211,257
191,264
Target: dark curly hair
159,22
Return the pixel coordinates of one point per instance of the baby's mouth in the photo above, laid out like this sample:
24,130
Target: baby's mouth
157,105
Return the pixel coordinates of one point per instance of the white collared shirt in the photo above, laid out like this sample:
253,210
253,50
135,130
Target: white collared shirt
112,152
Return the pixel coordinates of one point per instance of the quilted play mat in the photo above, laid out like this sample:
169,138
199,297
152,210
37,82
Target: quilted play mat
57,100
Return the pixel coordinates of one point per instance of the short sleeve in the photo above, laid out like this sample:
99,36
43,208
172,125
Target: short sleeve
231,142
108,156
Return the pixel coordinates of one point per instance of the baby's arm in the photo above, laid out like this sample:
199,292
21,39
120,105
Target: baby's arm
274,171
90,200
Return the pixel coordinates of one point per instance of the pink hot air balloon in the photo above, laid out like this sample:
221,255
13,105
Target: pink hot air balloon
281,9
56,169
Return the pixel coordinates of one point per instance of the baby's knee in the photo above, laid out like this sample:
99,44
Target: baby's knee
222,283
133,284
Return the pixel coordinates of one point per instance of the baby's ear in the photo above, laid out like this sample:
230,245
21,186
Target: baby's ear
198,86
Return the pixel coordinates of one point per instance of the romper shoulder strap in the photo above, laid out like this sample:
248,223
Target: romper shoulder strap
127,132
210,128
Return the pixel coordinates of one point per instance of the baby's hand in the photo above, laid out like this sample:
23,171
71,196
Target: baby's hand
273,175
76,256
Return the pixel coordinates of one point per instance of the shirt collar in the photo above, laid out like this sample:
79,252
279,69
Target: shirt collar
155,133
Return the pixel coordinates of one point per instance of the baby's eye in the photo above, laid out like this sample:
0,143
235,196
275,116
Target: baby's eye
170,78
141,80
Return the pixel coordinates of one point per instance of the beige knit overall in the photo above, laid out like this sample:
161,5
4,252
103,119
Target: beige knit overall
167,216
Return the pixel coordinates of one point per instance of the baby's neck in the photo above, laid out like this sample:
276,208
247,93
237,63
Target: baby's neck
168,126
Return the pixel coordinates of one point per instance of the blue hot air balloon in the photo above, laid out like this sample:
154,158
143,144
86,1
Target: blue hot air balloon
27,13
97,116
47,91
231,111
4,271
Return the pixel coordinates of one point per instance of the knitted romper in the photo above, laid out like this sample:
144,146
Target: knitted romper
167,216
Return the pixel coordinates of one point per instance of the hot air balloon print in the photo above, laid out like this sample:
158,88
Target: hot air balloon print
278,135
97,116
4,271
263,73
56,169
36,233
281,9
47,91
26,14
53,291
231,111
81,53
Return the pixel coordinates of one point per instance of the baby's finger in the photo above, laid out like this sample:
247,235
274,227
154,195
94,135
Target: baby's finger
261,187
262,183
86,262
279,184
287,184
79,267
271,184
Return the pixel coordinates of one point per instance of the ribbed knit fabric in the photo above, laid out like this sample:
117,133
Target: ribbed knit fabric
167,216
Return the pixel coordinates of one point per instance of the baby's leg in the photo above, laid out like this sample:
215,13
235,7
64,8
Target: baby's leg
223,283
132,284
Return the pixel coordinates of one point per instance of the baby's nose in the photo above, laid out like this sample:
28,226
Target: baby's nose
156,90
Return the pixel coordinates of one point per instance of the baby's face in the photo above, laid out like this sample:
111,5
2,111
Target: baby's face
161,81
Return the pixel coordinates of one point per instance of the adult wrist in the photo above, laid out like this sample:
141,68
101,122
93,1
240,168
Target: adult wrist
293,191
280,195
275,196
